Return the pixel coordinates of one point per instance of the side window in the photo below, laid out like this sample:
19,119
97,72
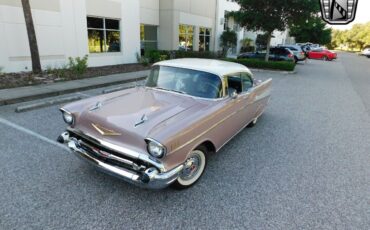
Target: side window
247,81
234,82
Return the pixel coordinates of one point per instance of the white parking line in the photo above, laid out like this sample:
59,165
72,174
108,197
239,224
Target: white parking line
29,132
84,94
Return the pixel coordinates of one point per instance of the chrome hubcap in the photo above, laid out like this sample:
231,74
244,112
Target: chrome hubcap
191,167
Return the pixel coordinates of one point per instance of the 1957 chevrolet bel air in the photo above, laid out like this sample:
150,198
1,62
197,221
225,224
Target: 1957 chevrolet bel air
162,133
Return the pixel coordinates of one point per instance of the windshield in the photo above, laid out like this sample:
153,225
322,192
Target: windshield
185,81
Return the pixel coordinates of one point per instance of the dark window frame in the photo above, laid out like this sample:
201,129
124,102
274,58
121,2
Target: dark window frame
203,38
187,34
105,30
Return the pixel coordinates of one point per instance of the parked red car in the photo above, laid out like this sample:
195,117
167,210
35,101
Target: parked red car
322,54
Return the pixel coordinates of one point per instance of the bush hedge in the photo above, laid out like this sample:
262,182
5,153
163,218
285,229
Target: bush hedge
160,55
261,64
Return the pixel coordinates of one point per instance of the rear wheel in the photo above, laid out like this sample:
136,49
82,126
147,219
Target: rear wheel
194,168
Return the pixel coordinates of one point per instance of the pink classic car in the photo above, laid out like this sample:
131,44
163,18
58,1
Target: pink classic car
162,133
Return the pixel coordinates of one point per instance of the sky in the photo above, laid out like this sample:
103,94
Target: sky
362,15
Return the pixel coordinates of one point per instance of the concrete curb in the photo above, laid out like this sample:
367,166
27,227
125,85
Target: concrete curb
273,71
67,90
116,89
42,104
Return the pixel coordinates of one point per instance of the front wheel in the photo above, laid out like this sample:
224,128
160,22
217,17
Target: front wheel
194,167
253,123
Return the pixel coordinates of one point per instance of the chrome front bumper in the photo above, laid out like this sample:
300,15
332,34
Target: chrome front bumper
151,178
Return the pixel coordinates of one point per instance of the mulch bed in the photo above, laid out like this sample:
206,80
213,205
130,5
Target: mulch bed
12,80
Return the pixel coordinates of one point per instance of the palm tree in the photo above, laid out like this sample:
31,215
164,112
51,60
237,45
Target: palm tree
35,56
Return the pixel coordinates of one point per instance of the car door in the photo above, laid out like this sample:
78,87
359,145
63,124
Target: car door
246,98
230,115
258,98
317,54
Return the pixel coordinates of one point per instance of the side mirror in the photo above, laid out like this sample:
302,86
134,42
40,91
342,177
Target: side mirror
233,93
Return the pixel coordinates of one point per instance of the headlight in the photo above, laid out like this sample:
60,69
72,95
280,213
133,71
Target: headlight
155,148
68,117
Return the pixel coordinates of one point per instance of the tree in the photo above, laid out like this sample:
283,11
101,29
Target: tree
228,39
261,40
270,15
35,57
313,30
358,37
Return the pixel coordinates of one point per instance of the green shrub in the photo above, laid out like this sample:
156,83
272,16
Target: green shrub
261,64
173,54
142,60
163,57
246,49
153,56
60,72
78,65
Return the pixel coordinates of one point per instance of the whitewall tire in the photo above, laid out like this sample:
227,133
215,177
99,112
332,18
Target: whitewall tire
194,167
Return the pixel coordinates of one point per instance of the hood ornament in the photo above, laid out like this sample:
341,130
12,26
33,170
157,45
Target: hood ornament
98,105
143,119
104,131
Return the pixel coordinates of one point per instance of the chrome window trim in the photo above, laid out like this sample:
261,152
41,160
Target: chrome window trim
195,97
187,95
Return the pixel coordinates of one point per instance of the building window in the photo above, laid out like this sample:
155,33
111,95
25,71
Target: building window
104,35
148,38
186,36
204,39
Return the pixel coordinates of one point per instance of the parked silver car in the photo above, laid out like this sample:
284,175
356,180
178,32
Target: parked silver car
299,54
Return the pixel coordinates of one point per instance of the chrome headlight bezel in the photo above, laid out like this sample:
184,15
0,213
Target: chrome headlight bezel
155,148
67,117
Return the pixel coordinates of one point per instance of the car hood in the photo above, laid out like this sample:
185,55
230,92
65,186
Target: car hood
131,117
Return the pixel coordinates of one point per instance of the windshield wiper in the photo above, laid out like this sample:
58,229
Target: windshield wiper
177,91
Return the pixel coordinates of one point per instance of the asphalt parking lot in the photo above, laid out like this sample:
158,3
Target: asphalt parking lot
305,165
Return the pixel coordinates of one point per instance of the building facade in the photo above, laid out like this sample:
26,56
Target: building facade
111,31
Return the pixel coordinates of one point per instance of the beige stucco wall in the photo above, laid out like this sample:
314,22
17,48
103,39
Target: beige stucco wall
52,5
149,12
168,29
104,8
205,8
190,12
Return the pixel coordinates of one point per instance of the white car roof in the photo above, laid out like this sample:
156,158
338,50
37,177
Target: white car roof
220,68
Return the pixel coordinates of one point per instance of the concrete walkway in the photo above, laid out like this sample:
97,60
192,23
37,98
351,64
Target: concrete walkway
21,94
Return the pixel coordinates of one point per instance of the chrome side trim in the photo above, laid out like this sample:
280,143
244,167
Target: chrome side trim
214,126
124,151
